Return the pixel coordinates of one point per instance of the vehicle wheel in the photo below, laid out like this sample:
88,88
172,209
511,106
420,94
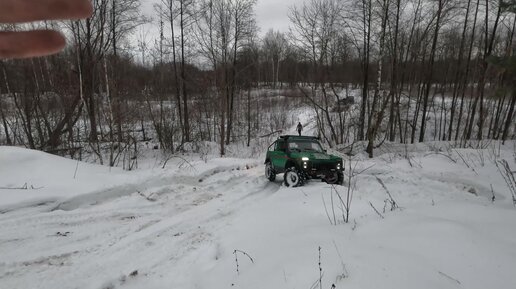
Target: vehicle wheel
293,178
335,179
341,178
270,174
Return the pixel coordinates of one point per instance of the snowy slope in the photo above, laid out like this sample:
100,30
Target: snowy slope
49,178
180,227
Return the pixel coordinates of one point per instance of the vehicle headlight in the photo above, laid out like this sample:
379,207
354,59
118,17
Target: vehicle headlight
339,166
305,159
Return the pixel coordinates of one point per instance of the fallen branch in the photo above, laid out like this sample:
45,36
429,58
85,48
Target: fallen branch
236,259
24,187
393,203
450,278
379,214
181,158
272,133
465,162
148,198
364,170
442,154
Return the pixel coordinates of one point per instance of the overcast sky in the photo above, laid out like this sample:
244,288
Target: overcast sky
270,14
273,14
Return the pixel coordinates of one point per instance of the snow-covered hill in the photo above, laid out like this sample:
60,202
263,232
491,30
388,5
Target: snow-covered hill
221,224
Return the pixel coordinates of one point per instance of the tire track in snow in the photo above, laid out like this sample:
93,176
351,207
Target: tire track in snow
174,225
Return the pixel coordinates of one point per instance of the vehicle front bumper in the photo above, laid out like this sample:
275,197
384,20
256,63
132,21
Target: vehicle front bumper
321,170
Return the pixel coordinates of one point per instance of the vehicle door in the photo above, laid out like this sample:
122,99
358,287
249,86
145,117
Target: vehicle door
278,155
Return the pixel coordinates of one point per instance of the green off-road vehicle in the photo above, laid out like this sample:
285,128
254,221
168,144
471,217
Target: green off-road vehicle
301,158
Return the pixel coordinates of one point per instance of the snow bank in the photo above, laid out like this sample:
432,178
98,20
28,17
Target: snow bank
32,177
221,224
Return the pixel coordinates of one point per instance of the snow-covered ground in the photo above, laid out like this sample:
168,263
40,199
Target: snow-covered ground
221,224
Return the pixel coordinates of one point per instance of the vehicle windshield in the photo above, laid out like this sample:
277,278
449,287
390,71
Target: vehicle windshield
305,146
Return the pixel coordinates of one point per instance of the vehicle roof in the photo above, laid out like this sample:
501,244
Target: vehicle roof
296,137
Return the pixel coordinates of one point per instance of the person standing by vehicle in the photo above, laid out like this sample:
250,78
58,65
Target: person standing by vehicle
299,128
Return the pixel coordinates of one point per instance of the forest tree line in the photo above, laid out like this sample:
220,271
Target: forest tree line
419,70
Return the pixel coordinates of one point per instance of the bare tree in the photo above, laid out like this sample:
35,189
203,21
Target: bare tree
223,30
315,29
275,45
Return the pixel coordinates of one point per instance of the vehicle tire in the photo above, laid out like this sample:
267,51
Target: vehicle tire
336,179
293,178
270,174
341,178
